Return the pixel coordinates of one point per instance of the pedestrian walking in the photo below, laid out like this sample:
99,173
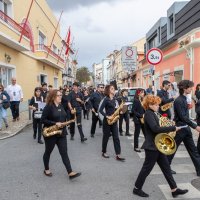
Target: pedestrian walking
86,105
4,104
152,155
109,104
54,114
16,96
34,105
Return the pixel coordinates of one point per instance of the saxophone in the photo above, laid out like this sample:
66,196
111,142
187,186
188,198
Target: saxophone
115,116
166,106
55,130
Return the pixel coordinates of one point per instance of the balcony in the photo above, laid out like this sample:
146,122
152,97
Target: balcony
52,59
10,33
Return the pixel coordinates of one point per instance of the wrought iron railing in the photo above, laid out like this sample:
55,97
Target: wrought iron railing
13,24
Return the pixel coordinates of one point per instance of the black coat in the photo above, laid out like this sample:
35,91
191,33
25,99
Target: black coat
152,128
137,110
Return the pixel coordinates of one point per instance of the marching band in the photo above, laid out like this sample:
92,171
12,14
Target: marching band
146,108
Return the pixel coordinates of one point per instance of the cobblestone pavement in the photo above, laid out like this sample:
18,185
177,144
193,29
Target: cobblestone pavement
15,127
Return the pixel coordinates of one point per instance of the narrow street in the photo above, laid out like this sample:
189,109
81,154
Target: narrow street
22,175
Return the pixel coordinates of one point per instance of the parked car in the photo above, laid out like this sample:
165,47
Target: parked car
131,94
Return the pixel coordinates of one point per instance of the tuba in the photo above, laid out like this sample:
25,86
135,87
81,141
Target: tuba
115,116
166,106
164,142
55,130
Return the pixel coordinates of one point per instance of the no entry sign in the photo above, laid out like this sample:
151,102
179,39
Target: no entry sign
154,56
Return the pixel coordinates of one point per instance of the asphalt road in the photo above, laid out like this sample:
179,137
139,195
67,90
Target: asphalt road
22,178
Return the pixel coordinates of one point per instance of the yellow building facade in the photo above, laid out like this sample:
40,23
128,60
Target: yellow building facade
31,61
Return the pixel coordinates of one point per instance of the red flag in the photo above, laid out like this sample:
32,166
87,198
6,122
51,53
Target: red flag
68,42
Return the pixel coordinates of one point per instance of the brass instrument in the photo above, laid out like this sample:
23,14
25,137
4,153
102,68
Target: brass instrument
115,116
142,120
55,130
166,106
164,142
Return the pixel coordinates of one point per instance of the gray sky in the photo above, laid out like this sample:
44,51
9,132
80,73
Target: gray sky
101,26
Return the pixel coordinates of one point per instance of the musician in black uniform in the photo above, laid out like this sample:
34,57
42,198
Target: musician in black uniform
87,104
95,100
76,101
138,116
152,155
182,118
33,105
54,114
107,109
124,116
164,95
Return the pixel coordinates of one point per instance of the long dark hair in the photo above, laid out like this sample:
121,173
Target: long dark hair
138,91
107,90
51,96
197,89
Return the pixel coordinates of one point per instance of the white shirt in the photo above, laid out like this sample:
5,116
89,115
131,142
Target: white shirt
15,92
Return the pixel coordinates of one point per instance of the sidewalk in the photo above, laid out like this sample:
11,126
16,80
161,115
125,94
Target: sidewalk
15,127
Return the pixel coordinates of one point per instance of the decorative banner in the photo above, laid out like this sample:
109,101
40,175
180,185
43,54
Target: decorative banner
154,56
129,58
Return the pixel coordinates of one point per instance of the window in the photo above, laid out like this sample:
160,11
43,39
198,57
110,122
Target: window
55,49
6,7
159,35
55,83
43,78
42,39
152,42
5,76
171,24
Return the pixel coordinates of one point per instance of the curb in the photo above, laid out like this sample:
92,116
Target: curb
16,132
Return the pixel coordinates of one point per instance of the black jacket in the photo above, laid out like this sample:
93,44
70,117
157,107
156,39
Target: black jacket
137,110
152,128
53,114
181,112
164,95
95,100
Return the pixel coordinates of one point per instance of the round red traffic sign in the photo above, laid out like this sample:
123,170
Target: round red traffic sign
154,56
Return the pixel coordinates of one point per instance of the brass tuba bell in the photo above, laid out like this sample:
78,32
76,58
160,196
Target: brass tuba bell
164,142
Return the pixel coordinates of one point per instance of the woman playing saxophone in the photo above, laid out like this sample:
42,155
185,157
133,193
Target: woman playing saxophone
54,114
108,110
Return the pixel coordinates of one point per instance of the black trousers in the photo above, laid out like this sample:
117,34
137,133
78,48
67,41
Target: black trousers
198,142
107,131
79,125
151,157
124,116
185,135
95,119
37,128
14,106
61,143
86,113
138,127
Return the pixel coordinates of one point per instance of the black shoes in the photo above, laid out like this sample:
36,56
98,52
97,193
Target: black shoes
105,155
140,193
83,139
137,150
179,192
48,174
34,136
120,159
40,142
74,176
121,133
173,172
72,138
92,135
128,134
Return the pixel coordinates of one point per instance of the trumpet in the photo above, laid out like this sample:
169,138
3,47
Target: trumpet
164,142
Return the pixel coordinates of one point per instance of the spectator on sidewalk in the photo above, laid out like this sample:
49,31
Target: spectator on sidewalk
16,96
4,104
37,114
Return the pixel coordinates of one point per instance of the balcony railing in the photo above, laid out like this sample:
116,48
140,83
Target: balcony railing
13,24
48,50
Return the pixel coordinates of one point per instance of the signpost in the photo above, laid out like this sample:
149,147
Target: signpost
154,57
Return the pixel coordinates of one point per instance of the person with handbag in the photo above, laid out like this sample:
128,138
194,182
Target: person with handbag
37,114
54,114
4,104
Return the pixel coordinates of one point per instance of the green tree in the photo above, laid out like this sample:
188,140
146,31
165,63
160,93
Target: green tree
83,74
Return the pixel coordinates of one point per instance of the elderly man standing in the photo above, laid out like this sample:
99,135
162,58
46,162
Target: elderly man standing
16,95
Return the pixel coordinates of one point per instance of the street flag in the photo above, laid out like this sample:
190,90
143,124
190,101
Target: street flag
68,42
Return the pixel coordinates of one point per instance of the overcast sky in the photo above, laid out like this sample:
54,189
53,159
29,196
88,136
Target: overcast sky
101,26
